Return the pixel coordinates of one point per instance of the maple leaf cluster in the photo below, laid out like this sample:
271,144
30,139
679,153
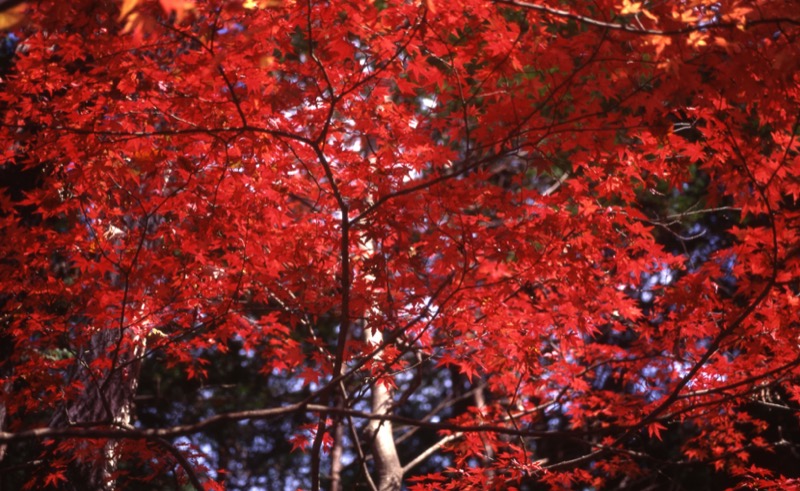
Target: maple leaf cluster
559,239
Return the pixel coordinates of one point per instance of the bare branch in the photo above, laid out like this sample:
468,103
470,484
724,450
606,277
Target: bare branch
430,451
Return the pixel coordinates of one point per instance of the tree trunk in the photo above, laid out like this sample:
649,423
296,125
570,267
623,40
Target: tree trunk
336,455
3,414
480,404
106,400
387,463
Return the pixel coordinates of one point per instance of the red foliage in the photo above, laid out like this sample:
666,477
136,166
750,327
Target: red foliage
475,180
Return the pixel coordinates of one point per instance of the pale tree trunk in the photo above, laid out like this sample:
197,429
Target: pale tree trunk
384,451
336,456
3,415
106,400
6,351
387,463
480,404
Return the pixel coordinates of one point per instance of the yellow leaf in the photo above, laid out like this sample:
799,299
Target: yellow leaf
134,23
696,39
179,6
660,42
262,4
689,16
127,7
629,7
742,25
13,16
650,16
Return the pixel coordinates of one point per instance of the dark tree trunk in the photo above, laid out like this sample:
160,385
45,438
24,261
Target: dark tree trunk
107,400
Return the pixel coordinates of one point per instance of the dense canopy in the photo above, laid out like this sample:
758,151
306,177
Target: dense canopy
432,244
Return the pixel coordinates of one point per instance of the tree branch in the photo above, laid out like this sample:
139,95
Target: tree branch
647,32
87,431
430,451
183,462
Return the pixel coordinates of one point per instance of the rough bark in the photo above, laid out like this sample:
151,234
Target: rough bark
106,400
